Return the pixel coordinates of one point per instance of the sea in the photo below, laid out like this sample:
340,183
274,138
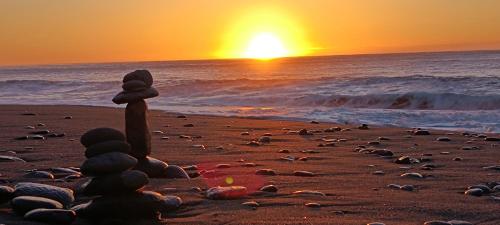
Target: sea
448,90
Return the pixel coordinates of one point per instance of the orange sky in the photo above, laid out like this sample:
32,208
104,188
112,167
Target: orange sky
64,31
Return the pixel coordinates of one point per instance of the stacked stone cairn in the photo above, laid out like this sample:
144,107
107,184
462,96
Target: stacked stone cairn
118,187
137,86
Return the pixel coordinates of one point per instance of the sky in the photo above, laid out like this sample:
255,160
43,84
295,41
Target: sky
80,31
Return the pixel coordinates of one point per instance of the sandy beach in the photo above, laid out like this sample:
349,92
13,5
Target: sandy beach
348,190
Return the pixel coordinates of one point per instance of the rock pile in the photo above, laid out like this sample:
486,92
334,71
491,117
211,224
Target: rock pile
137,86
118,186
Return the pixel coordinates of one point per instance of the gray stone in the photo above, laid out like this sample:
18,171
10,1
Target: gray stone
51,216
139,205
62,195
459,222
301,173
266,172
24,204
127,181
39,174
474,192
134,85
176,172
108,163
308,192
6,158
421,132
137,129
141,75
154,168
445,139
107,146
136,96
99,135
170,203
269,188
231,192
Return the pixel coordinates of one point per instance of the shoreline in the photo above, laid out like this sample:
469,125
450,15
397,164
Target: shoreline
275,118
354,192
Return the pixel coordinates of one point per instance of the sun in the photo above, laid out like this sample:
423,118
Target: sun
265,46
263,34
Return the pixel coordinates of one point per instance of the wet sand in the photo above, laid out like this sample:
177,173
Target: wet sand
353,194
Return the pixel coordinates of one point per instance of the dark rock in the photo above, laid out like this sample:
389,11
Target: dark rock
108,163
137,96
253,143
231,192
437,222
265,139
106,147
304,132
445,139
313,205
62,170
266,172
363,127
154,168
181,116
170,203
484,188
134,85
137,129
40,132
491,139
28,114
284,151
139,205
303,173
127,181
176,172
474,192
269,188
56,135
407,187
140,75
332,129
421,132
6,158
62,195
24,204
189,125
384,139
99,135
51,216
314,122
6,194
373,143
68,117
382,152
39,174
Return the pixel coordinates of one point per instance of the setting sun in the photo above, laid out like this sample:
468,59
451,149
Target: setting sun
265,46
264,34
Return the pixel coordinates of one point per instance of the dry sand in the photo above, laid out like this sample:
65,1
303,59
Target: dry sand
353,194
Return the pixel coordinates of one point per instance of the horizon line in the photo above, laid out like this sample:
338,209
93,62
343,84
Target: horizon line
236,59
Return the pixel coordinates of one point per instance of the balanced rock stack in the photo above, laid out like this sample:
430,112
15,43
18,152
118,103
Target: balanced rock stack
118,187
137,86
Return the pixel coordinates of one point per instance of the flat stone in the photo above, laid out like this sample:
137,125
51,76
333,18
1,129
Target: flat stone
382,152
407,187
230,192
378,172
106,147
412,175
375,223
24,204
63,170
6,158
445,139
6,194
137,129
223,166
301,173
140,75
134,206
269,188
313,205
253,143
136,96
170,203
437,222
474,192
459,222
39,174
421,132
483,187
308,192
134,85
108,163
51,216
99,135
251,204
266,172
154,168
394,186
62,195
127,181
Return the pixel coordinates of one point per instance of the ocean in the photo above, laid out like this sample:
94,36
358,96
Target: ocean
449,90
